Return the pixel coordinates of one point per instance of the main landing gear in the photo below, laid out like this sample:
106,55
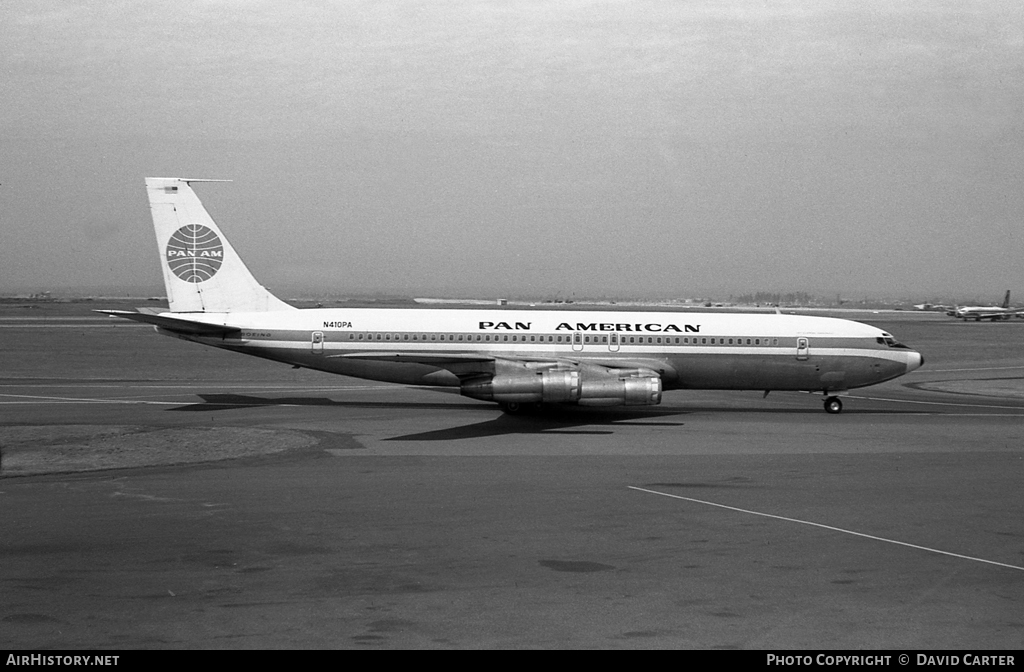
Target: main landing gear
833,405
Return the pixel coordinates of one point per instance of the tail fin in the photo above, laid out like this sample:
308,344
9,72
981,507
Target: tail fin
1006,299
202,272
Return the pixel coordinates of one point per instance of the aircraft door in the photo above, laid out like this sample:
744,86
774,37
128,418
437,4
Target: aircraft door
318,342
577,341
803,348
613,341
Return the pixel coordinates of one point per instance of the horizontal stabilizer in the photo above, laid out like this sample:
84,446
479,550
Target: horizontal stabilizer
176,324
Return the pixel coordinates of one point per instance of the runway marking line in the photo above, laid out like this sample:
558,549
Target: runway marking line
984,368
931,403
828,527
104,383
40,399
30,399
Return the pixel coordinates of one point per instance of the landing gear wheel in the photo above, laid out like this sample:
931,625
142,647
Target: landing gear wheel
833,405
511,407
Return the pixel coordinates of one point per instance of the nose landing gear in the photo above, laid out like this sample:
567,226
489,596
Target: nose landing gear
833,405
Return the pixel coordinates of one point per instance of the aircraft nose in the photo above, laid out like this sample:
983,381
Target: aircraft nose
915,361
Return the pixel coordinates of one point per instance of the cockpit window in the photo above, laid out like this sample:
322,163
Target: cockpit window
888,340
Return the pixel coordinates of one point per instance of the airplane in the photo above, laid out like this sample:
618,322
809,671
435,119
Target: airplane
518,358
993,313
937,307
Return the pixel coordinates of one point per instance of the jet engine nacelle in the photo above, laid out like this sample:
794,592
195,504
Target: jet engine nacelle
526,386
639,390
588,387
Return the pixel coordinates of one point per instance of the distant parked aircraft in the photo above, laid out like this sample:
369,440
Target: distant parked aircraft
937,307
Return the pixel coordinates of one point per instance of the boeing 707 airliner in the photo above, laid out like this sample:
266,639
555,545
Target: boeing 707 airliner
993,313
516,358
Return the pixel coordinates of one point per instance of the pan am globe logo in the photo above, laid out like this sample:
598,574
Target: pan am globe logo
195,253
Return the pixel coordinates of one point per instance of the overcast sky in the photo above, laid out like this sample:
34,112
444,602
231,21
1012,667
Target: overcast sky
538,149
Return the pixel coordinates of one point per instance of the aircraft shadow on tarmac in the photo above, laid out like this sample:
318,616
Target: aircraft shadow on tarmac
224,402
560,420
546,421
564,420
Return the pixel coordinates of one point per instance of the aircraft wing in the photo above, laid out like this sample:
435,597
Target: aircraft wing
178,325
466,365
463,365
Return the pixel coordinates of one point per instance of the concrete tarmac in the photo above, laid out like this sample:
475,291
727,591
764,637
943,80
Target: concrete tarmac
158,494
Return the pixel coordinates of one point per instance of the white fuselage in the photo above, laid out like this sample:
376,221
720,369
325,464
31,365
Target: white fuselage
687,350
